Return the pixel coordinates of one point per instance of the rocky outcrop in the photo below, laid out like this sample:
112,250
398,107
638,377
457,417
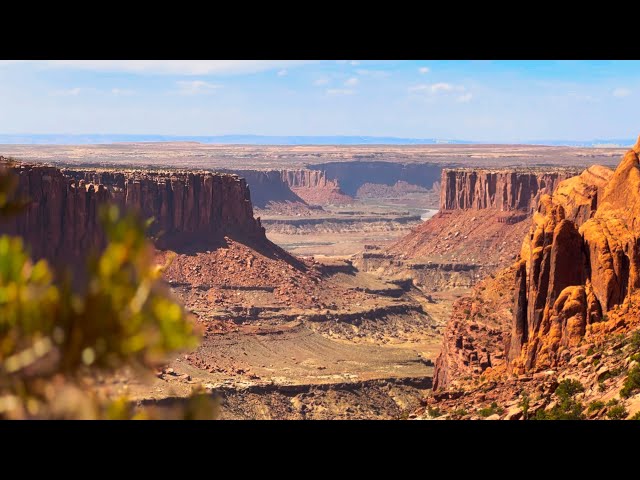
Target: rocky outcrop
62,221
314,187
502,189
355,174
561,262
302,187
579,262
553,301
268,187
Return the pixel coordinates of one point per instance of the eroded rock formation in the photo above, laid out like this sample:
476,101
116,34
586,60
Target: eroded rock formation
303,187
579,262
268,187
503,190
314,187
62,220
353,175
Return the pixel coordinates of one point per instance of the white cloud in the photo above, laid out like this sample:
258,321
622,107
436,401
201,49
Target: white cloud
339,91
71,92
464,98
283,72
351,82
621,92
195,87
583,98
436,88
321,82
373,73
423,70
171,67
121,92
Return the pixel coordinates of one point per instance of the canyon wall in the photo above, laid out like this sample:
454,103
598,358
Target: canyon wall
579,260
503,190
62,220
353,175
306,187
479,229
314,187
268,186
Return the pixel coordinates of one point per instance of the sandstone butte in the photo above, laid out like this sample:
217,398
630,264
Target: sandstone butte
62,218
579,261
482,216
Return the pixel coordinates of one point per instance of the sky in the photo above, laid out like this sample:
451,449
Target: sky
502,101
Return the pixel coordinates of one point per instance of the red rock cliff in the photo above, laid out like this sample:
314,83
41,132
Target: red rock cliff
268,186
314,188
550,292
62,221
502,190
576,263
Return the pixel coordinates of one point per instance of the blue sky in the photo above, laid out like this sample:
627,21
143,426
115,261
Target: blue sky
470,100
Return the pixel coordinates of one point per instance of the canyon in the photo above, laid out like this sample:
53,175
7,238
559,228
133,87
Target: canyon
363,281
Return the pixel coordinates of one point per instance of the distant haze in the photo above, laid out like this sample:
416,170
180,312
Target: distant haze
93,139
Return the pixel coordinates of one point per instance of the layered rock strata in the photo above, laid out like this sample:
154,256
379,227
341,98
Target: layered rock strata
503,190
579,261
62,219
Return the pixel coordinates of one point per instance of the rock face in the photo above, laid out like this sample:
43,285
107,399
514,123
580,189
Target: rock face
305,187
314,187
353,175
567,276
579,262
550,286
268,186
62,220
502,190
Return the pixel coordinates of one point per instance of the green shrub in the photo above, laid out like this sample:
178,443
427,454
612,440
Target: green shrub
433,412
634,341
635,357
590,351
595,406
466,311
631,383
524,405
611,374
568,389
617,413
567,410
636,416
491,410
460,412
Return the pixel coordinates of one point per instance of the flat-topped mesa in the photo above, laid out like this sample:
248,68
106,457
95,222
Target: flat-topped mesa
62,221
504,190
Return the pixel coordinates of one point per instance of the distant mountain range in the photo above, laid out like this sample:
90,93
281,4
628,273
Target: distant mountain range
89,139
